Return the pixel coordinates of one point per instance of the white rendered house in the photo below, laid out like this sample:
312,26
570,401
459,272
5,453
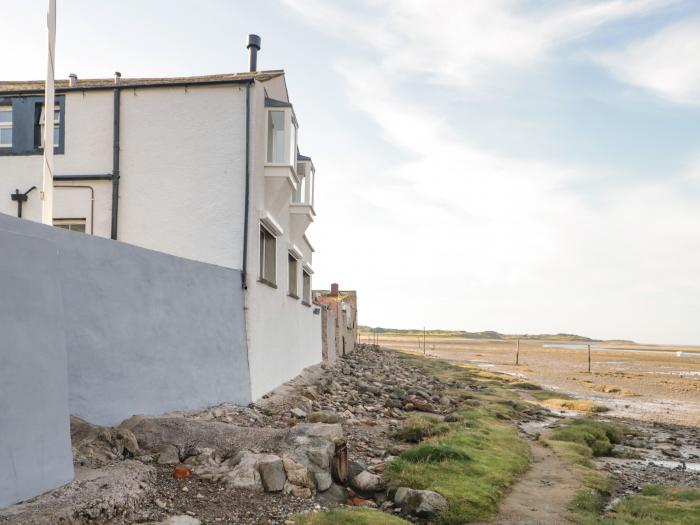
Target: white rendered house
205,168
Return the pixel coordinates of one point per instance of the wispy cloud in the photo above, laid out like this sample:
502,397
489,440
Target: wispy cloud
491,240
460,43
666,63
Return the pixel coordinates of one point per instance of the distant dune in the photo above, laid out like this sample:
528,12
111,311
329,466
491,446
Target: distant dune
486,334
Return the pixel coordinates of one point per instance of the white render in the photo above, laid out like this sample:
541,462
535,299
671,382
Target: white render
182,192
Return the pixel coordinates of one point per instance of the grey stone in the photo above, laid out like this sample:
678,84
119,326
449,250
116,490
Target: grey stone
367,482
424,503
272,474
400,495
323,481
245,474
334,494
298,412
168,455
323,416
183,519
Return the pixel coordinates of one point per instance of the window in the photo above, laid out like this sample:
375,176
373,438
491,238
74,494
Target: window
275,137
6,127
293,277
73,225
56,126
268,256
306,290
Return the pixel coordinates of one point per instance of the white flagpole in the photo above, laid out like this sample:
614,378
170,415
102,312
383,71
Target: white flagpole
47,189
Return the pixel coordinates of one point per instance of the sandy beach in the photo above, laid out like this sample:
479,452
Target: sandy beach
646,382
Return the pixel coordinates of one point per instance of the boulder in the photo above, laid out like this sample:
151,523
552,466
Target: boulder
168,455
323,481
95,446
297,474
245,474
367,482
272,474
334,494
422,503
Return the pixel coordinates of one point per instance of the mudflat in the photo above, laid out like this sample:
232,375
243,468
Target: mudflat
646,382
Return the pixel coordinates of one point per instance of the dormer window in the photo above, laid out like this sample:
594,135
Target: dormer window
281,133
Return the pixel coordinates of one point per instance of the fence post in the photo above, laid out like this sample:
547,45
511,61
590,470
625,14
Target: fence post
589,359
517,353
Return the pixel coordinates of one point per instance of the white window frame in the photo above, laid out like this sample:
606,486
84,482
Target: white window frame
7,125
267,276
291,131
56,124
305,292
293,291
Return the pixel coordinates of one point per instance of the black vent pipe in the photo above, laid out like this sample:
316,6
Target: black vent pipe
253,46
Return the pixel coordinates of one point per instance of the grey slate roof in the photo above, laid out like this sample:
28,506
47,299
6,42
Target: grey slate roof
105,83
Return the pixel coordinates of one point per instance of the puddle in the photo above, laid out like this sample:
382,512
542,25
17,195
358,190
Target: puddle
663,463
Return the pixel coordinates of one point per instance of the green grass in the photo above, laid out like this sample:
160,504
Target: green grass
358,516
657,504
417,428
598,436
434,454
479,457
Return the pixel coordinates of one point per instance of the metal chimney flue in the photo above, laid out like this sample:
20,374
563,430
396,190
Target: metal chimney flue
72,80
253,46
117,77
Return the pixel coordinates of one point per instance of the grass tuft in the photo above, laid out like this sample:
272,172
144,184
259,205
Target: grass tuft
434,454
417,428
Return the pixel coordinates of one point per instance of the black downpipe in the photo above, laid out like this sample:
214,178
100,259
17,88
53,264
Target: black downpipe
246,205
115,160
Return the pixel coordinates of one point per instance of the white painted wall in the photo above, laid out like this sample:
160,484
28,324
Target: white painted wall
183,171
182,193
284,336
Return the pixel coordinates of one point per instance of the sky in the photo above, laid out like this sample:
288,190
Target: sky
514,165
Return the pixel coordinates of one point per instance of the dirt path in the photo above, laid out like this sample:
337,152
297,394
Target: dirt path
542,494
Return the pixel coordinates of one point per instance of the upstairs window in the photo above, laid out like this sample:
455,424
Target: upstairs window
276,153
281,137
306,288
39,128
293,276
268,257
6,127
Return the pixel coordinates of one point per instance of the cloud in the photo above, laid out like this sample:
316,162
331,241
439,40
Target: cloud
666,63
455,235
460,43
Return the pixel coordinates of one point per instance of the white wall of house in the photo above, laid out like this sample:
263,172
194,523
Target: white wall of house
182,192
183,171
283,334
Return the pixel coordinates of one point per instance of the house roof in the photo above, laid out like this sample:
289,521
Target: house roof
27,86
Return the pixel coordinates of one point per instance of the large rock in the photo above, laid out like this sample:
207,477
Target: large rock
297,473
367,482
245,474
187,434
168,455
272,475
96,446
421,503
